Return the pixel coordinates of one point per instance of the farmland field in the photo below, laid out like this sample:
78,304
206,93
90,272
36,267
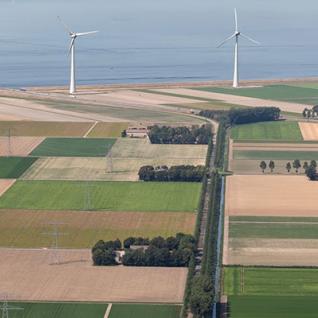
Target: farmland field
104,129
301,95
28,275
111,196
309,130
273,307
275,155
144,311
24,229
263,196
268,131
270,281
109,169
73,147
142,148
18,146
58,310
14,167
43,128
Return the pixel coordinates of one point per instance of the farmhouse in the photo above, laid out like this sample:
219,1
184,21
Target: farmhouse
137,131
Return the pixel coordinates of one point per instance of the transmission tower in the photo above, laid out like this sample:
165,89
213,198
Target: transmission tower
6,308
55,234
88,196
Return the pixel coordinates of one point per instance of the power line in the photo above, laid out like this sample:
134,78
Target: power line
6,308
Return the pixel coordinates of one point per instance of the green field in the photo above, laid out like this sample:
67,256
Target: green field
14,167
273,307
250,281
275,155
302,95
58,310
73,147
144,311
275,131
112,196
274,227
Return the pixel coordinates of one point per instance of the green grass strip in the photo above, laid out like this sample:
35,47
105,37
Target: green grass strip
275,155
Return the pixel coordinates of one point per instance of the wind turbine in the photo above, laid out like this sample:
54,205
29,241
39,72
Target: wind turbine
236,35
73,36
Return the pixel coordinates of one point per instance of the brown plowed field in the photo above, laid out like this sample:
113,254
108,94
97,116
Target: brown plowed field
309,130
18,146
271,196
44,128
29,275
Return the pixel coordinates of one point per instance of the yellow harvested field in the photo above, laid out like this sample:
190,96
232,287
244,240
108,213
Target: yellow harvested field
272,252
104,129
25,228
309,130
235,99
142,148
29,275
107,169
5,184
271,196
18,146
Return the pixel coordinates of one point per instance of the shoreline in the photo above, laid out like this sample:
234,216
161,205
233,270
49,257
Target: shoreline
227,83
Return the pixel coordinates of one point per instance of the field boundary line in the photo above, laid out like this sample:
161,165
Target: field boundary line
109,308
273,222
8,186
90,129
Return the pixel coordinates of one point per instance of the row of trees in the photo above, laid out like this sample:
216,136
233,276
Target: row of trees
180,135
171,252
296,164
310,113
184,173
237,116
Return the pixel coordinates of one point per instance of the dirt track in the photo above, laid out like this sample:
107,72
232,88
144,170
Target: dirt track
27,275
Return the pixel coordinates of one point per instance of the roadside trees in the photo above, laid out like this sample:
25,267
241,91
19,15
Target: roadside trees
288,167
272,165
263,166
296,165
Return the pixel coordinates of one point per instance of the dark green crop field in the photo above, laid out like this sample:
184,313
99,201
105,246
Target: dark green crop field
74,147
14,167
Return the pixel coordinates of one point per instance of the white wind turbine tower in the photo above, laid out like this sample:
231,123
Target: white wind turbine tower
73,36
236,35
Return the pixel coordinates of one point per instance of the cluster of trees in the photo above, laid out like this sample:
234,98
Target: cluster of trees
310,113
183,173
171,252
180,135
309,168
237,116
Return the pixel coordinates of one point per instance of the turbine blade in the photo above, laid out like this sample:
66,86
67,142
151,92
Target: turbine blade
236,20
86,33
71,45
65,25
250,39
226,40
